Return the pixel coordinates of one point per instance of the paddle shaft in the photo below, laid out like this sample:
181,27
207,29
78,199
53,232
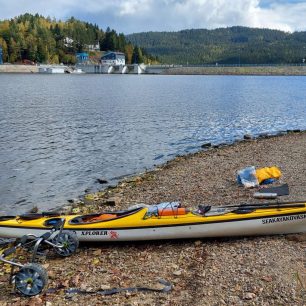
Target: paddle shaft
245,207
267,204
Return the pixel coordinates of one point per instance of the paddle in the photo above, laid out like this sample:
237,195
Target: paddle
220,210
265,204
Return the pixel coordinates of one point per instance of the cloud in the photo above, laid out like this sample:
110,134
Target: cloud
285,16
168,15
134,7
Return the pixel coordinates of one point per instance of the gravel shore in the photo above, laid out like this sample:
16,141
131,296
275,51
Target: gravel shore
241,271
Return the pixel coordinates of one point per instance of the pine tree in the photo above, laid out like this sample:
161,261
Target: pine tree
137,57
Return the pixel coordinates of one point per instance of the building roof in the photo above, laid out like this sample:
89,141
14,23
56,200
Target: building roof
82,54
117,53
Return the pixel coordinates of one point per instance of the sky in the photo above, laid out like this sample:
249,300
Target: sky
132,16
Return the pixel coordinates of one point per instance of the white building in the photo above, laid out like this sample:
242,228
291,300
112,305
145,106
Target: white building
113,58
95,47
68,42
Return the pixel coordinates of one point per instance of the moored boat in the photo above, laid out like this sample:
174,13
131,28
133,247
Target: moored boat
167,221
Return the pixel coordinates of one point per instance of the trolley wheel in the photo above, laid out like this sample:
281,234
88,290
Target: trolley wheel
31,279
68,242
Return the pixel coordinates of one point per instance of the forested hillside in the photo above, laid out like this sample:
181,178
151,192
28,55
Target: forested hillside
234,45
39,39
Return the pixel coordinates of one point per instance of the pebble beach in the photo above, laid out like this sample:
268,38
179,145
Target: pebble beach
229,271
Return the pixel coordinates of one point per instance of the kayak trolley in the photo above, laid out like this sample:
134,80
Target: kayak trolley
31,278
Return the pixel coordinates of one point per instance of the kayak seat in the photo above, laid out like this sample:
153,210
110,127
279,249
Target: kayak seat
102,217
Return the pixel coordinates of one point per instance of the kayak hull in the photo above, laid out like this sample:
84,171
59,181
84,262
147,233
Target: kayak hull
136,227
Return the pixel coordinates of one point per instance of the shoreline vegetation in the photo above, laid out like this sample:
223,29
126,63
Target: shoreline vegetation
274,70
38,39
281,70
241,271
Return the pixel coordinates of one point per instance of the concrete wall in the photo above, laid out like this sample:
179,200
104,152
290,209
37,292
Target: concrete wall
249,70
218,70
18,69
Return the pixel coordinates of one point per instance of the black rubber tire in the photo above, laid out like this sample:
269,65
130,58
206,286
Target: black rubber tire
69,240
31,279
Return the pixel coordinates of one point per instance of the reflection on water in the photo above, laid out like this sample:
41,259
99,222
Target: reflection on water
59,133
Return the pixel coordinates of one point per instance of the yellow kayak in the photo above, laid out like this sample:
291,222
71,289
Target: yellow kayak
167,221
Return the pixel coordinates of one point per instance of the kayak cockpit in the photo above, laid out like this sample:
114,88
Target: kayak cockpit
167,209
103,217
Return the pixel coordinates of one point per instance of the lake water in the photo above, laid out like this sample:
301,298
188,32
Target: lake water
59,133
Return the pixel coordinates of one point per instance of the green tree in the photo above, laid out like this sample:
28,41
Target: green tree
137,57
110,40
3,45
36,38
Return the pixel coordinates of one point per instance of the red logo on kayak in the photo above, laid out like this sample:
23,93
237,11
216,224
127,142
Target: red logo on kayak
113,235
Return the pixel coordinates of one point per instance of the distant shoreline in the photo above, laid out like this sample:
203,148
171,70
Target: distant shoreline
243,70
281,70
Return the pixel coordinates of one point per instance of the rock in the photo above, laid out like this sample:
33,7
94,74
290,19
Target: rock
198,242
247,137
297,237
249,295
97,252
48,303
134,179
112,201
34,301
89,197
294,131
33,210
76,210
233,299
76,280
101,181
222,144
206,145
281,133
71,201
75,298
17,299
267,278
177,273
105,287
65,209
263,135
